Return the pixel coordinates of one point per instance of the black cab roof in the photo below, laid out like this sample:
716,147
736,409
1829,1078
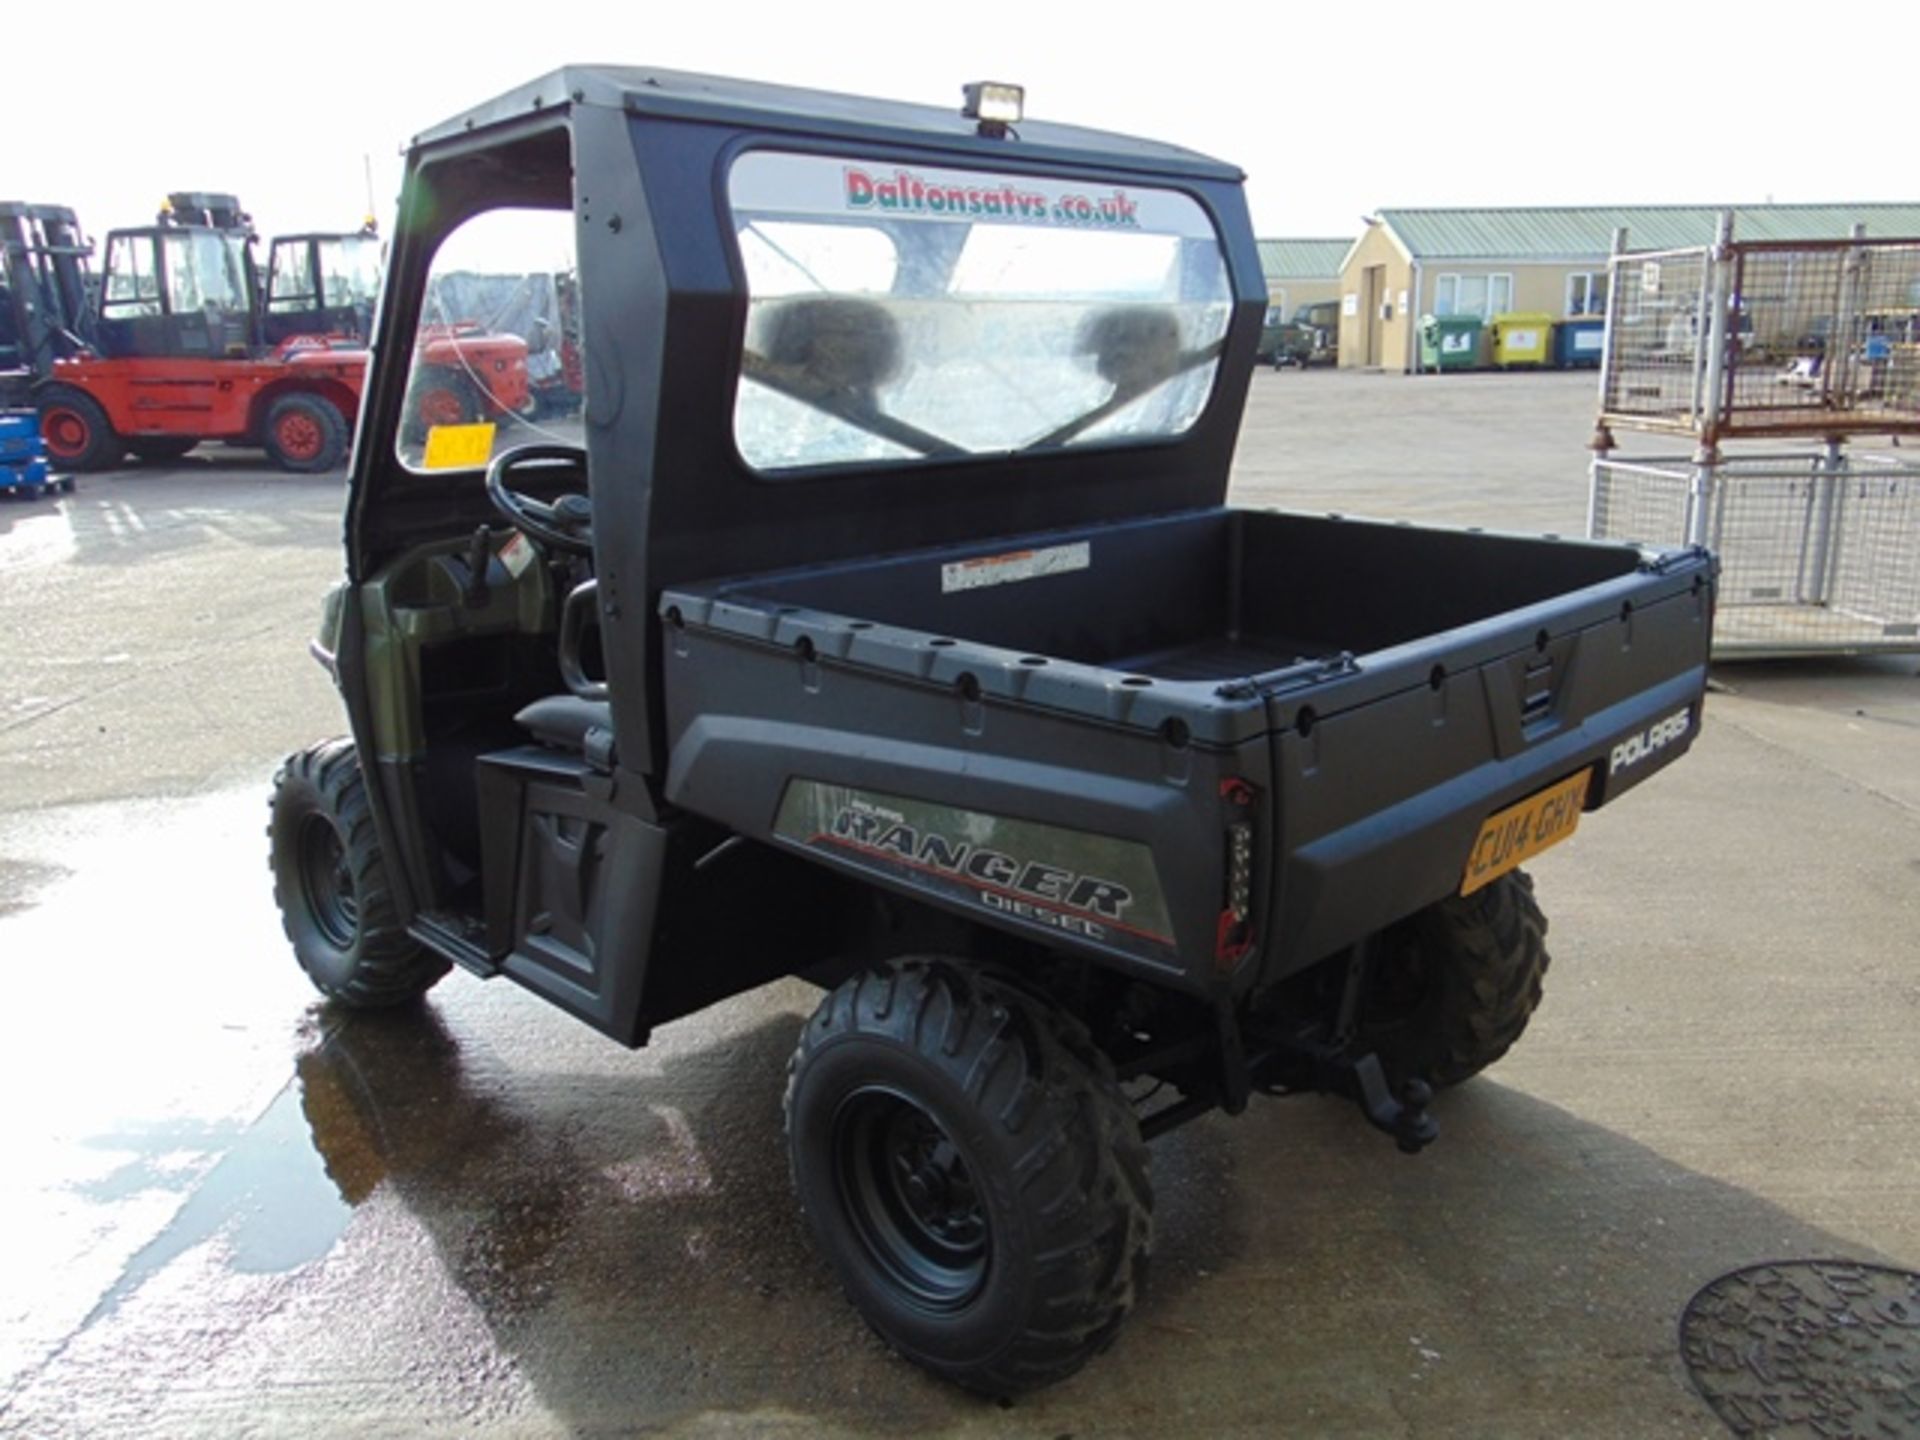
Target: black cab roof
680,95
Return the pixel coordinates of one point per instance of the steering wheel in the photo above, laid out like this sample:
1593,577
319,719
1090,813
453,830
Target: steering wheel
567,523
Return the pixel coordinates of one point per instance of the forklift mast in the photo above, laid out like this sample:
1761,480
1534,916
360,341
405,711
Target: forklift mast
45,312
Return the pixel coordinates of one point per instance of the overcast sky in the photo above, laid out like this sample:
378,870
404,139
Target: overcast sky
1333,110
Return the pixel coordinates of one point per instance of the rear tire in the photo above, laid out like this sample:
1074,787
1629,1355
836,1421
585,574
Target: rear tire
330,883
77,432
305,434
161,448
1456,983
972,1171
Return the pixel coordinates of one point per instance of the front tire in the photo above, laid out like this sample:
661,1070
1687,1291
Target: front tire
76,430
330,883
1456,983
972,1171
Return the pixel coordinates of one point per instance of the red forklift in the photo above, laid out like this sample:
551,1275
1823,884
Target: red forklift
321,289
169,355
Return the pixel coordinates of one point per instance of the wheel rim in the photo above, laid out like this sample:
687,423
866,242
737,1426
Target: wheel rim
65,432
326,882
911,1199
299,435
441,406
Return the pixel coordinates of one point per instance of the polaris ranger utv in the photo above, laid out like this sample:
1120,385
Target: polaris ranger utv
882,621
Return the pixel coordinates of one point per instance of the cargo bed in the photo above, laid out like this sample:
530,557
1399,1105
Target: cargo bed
1208,596
1385,688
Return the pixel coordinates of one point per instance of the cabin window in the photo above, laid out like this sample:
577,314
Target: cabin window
910,313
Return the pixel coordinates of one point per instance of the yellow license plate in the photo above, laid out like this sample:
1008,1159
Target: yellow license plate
1513,836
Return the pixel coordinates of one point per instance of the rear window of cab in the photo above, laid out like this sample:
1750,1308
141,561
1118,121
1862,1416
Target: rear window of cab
899,314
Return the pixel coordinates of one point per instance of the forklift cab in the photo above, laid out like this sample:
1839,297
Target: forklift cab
322,285
182,287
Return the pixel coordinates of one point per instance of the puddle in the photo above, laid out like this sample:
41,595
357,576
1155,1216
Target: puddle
150,1009
267,1197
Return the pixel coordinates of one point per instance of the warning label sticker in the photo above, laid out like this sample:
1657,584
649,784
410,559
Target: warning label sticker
1014,566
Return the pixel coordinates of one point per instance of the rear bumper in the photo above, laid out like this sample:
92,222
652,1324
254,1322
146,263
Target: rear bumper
1338,886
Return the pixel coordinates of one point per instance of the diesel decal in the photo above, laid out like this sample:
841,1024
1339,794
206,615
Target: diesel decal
1091,886
1655,738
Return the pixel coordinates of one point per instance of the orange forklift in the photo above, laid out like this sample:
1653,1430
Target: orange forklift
168,355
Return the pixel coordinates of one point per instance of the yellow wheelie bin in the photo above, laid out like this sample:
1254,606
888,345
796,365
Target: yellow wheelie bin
1521,339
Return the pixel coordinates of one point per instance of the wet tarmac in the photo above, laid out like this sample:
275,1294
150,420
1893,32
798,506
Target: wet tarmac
231,1210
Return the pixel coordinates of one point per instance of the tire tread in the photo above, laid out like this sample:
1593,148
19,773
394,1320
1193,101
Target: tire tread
1080,1167
390,967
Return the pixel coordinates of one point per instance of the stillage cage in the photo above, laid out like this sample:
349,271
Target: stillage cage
1737,344
1766,339
1818,552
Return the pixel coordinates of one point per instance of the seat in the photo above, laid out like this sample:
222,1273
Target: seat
567,722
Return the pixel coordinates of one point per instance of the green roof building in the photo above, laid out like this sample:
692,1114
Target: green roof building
1550,261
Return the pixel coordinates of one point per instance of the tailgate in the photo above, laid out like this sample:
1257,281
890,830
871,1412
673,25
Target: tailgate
1383,782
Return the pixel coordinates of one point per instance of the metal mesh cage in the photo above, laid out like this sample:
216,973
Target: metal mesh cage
1654,366
1815,338
1818,552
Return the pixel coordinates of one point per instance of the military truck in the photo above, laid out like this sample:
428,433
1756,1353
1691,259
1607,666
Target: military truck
883,621
1311,337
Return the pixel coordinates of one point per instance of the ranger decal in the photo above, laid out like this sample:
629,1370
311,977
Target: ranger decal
1071,881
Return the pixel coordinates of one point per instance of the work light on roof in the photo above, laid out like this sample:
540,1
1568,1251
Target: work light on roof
995,105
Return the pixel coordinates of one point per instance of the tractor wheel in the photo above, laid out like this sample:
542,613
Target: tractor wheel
441,397
305,434
161,448
1456,983
330,883
972,1171
77,432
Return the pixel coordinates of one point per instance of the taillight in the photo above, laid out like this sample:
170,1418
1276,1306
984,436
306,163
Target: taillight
1234,934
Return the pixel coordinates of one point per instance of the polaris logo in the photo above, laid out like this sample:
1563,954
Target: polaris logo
1651,741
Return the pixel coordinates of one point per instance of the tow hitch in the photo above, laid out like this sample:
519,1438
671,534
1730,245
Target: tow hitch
1325,1063
1298,1067
1406,1118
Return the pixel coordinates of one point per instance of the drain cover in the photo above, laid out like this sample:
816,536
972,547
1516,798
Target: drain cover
1825,1349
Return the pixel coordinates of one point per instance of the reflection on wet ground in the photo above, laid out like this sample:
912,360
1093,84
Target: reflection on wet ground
266,1198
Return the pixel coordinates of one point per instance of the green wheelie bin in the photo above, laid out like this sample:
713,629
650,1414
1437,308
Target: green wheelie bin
1449,342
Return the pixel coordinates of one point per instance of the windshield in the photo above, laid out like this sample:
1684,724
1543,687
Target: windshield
206,270
915,313
349,270
497,357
